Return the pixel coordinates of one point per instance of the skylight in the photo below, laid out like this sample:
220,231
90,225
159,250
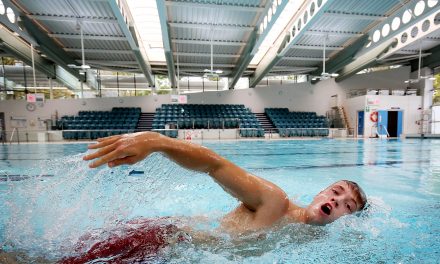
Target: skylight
147,23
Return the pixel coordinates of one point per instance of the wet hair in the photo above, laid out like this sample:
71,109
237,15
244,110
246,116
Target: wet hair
359,195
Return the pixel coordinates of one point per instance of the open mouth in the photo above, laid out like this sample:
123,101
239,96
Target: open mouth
326,208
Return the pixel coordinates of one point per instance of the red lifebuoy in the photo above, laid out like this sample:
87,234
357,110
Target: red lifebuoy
373,116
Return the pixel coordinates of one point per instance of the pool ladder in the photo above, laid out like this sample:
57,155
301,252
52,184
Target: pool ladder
382,126
12,136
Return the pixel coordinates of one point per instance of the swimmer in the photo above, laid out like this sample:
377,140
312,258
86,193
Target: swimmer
262,203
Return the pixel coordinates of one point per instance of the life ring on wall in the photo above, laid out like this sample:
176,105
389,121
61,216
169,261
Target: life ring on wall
373,116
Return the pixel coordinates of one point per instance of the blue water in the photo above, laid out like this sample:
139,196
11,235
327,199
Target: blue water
49,198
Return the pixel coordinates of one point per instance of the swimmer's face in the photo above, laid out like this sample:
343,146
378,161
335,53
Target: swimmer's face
333,202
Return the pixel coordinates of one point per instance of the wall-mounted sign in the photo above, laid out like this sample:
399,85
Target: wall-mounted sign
39,97
35,97
179,99
373,101
31,98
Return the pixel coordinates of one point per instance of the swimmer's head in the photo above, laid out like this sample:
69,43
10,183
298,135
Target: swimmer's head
341,198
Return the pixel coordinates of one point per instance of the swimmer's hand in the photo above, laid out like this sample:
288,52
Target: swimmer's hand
265,201
123,149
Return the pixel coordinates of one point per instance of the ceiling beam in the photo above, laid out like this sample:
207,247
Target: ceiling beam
428,14
51,49
405,57
404,39
284,42
385,46
344,57
14,26
210,26
254,42
433,61
22,51
407,52
74,19
208,42
222,6
244,61
166,39
354,15
364,61
130,34
90,37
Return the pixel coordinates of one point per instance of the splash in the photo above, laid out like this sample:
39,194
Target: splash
47,215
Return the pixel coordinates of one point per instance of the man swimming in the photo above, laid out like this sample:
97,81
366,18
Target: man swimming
263,204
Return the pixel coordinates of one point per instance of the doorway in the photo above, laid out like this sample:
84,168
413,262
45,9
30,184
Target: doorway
390,123
360,126
2,127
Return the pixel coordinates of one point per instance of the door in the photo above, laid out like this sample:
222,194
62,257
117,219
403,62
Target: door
392,123
399,123
2,127
360,123
382,123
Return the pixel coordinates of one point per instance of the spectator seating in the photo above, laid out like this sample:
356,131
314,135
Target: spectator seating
291,124
95,124
207,116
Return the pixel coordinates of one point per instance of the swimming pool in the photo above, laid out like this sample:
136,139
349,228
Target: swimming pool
49,198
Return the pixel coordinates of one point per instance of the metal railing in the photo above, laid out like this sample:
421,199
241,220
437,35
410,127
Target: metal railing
384,128
12,135
203,123
18,136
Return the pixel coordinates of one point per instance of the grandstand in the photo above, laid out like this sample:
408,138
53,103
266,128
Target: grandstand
96,124
290,124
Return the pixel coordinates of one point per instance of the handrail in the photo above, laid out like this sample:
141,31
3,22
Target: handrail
382,126
12,135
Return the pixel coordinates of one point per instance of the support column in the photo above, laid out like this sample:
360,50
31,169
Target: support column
425,86
82,90
50,89
426,89
5,93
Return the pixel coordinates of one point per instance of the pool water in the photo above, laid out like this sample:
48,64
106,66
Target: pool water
49,198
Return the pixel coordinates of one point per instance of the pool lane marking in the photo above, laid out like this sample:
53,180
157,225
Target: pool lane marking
390,163
19,177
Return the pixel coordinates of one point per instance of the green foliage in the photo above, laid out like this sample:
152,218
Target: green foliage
436,97
161,91
8,61
214,79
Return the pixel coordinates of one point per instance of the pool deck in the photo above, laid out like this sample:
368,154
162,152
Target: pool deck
422,136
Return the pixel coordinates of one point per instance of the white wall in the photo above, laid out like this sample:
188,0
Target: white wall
296,97
352,106
15,110
305,96
410,105
435,118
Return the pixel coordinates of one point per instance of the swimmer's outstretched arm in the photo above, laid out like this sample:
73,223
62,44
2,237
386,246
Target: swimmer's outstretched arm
264,198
